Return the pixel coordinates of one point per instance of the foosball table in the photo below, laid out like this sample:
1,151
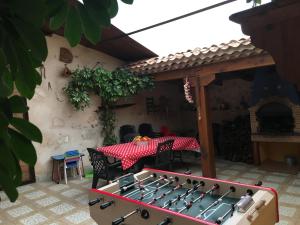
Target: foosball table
155,197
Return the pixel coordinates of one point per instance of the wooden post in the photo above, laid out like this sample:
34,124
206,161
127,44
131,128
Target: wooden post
205,131
256,153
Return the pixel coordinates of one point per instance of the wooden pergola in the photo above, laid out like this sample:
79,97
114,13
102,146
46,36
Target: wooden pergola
202,77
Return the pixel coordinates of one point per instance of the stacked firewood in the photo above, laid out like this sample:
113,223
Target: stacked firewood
235,141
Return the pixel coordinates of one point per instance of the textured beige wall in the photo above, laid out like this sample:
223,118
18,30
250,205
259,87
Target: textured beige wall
174,118
64,128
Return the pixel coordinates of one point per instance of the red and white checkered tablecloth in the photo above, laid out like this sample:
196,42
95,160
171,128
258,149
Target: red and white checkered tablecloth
130,153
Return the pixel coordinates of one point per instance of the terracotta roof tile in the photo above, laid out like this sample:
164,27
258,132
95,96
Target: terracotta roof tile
199,56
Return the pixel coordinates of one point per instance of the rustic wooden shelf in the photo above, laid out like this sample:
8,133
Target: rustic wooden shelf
119,106
294,138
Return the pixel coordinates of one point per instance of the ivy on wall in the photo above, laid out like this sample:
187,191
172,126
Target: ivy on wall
110,86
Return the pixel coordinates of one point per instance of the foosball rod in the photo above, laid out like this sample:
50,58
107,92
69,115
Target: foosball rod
135,191
97,200
122,219
163,195
199,198
243,204
131,185
158,188
218,201
109,203
230,211
171,202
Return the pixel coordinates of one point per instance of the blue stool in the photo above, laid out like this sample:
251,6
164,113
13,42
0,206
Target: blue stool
57,163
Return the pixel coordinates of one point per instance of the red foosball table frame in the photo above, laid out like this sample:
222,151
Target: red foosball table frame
123,205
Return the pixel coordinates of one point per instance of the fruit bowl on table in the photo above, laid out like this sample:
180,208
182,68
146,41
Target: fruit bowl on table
141,141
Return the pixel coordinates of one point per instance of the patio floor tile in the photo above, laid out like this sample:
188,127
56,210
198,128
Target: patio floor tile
274,178
290,199
251,175
62,208
287,211
19,211
78,217
58,187
7,204
34,220
230,172
47,201
35,195
25,188
71,193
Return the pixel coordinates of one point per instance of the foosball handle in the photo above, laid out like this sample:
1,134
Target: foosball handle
118,221
259,183
106,204
165,222
188,172
95,201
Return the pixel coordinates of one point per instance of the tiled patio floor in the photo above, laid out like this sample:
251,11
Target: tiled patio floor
60,204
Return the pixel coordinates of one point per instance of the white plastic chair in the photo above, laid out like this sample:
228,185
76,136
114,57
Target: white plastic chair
72,161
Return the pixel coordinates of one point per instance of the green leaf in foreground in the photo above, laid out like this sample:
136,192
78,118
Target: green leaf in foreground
27,129
7,183
18,104
7,160
98,12
59,18
113,9
6,83
73,29
90,29
128,1
23,148
33,39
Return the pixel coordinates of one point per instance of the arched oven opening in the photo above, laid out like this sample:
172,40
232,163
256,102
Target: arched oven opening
275,118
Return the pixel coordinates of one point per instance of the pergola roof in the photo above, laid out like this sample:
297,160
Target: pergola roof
235,49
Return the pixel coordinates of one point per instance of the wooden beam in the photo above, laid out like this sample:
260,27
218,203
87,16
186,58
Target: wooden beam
205,80
174,75
227,66
205,133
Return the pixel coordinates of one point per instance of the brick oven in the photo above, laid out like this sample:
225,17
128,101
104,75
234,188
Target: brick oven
275,119
275,122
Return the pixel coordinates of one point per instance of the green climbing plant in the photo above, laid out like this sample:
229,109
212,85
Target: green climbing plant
110,86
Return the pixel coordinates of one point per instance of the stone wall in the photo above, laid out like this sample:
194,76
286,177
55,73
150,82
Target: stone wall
64,128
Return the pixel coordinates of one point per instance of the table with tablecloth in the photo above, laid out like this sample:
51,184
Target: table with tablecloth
130,153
